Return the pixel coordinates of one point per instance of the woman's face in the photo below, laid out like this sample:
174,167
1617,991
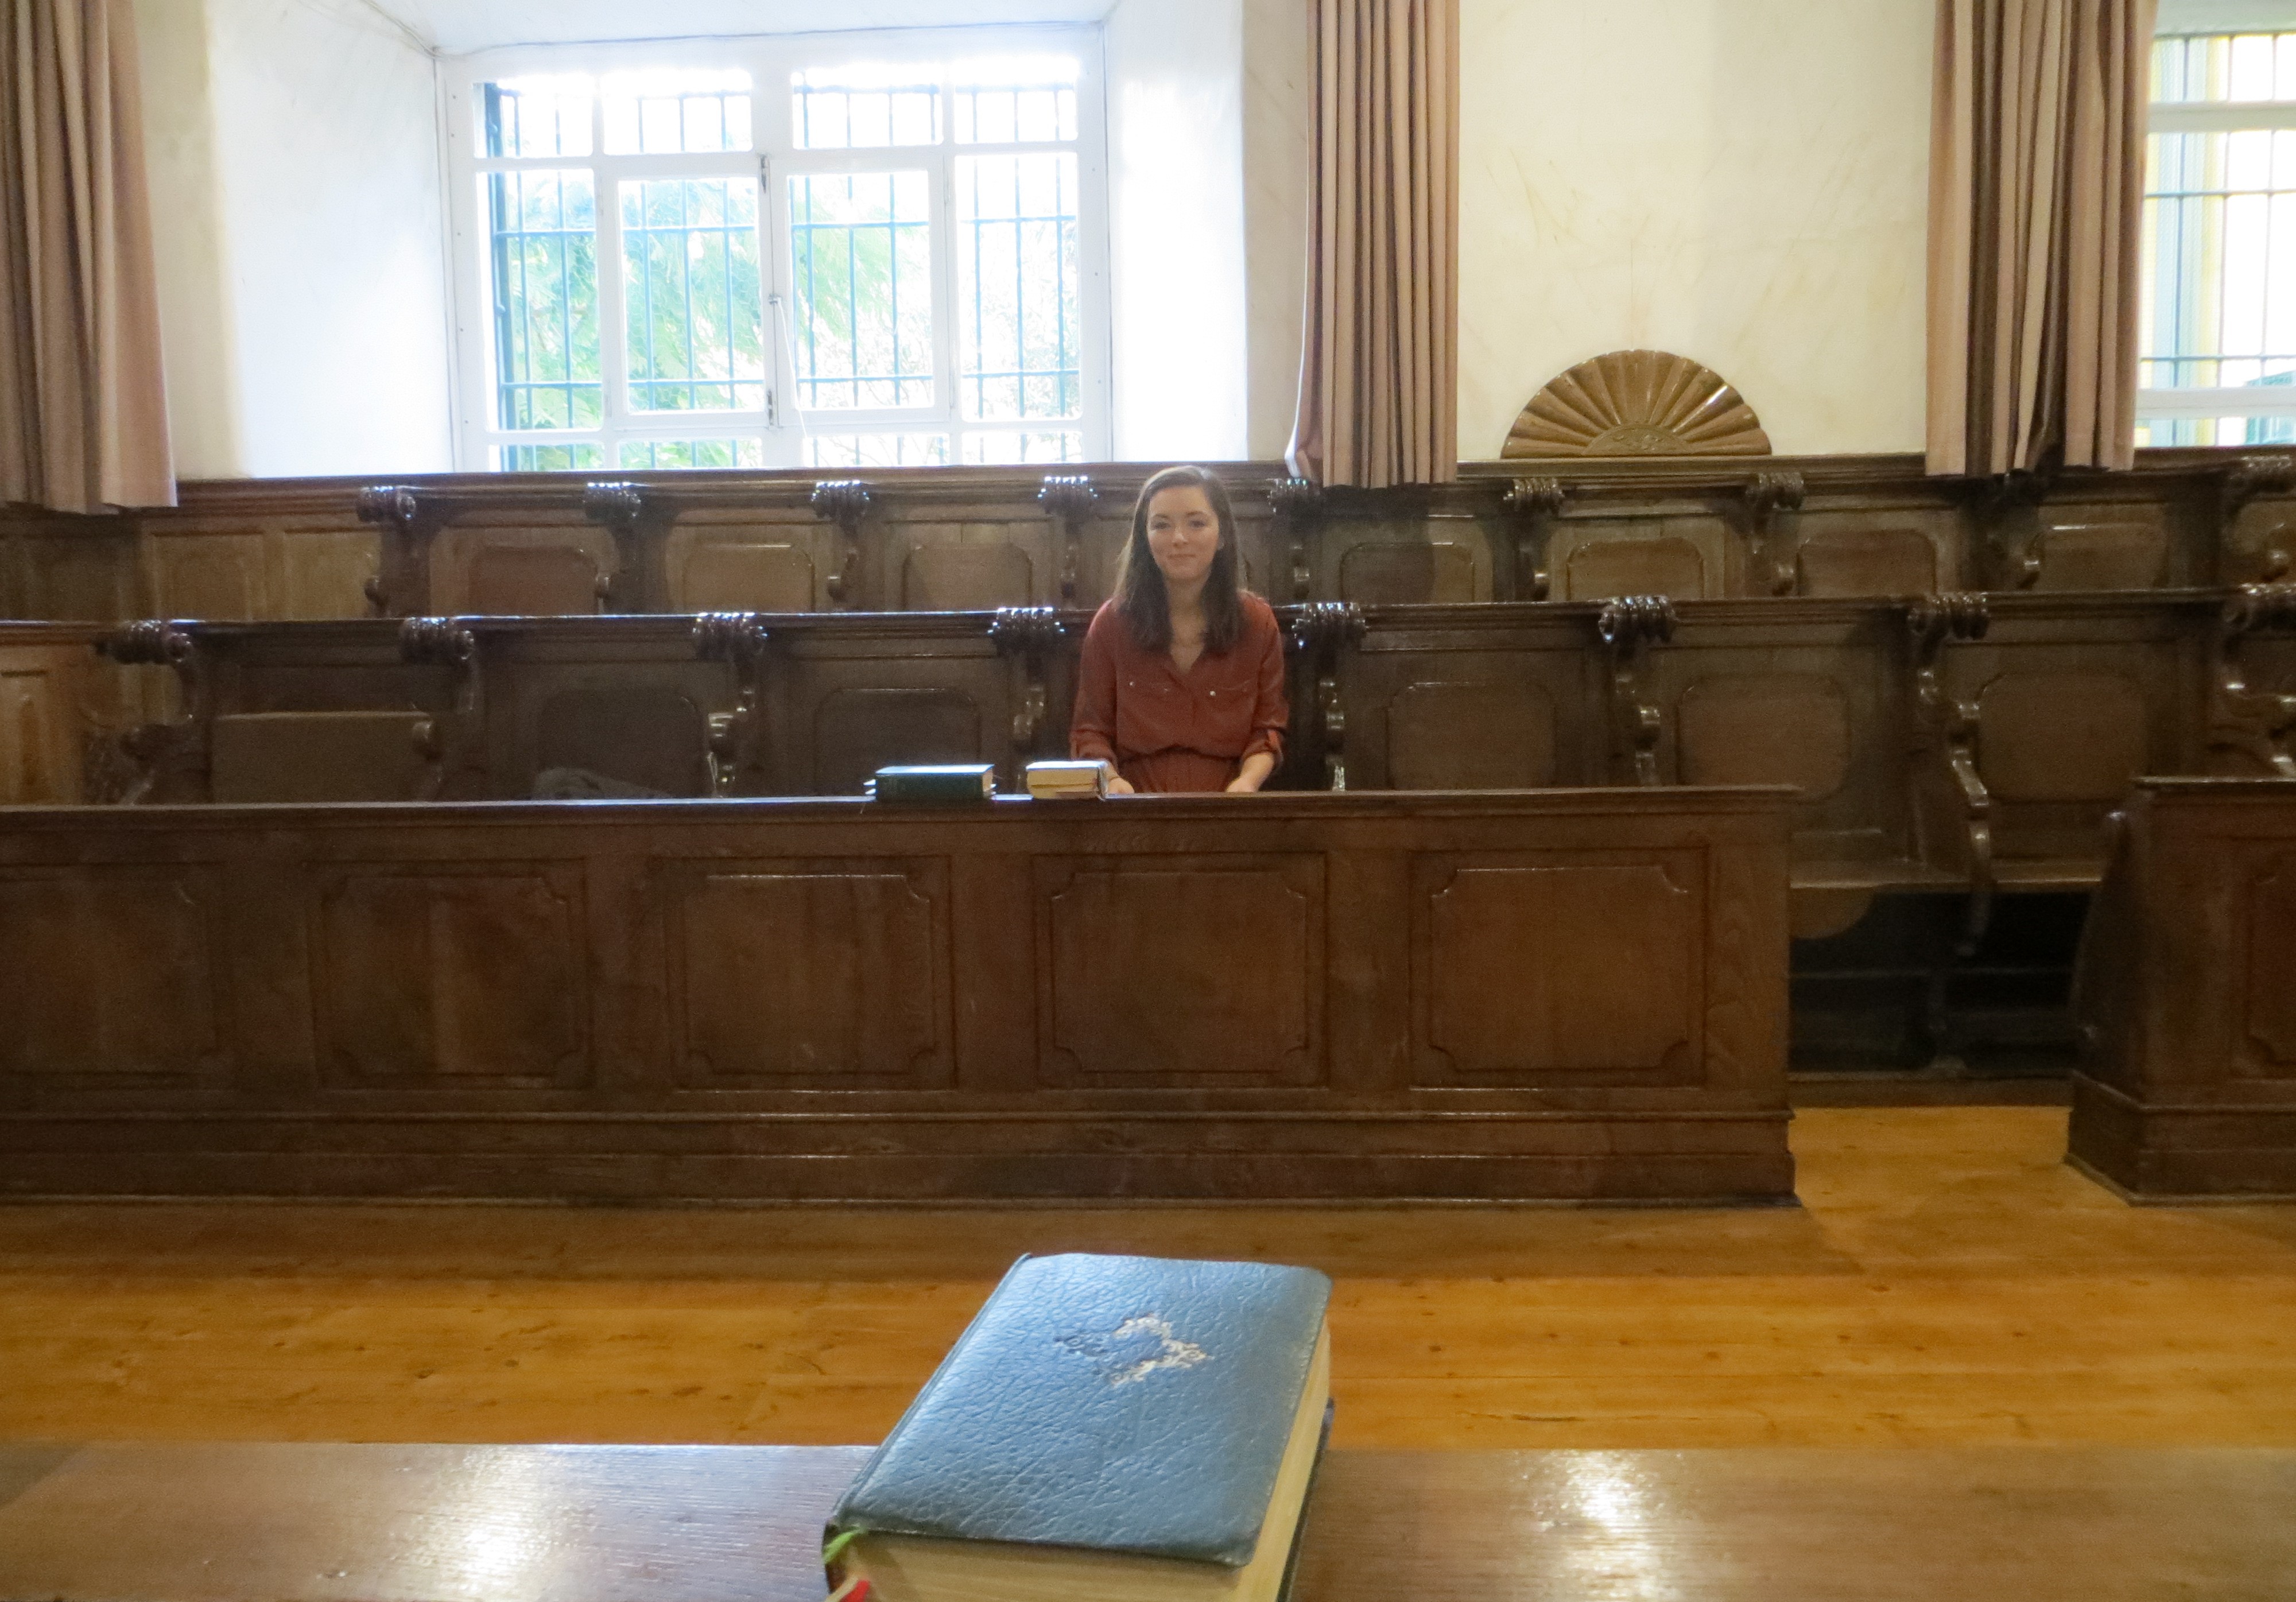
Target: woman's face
1182,533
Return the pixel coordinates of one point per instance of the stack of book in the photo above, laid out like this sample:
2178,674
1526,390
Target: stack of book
1109,1429
1065,780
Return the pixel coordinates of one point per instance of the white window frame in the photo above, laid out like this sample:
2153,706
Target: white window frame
771,61
2188,117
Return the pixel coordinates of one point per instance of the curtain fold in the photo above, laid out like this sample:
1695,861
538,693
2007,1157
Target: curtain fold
1379,363
83,403
2036,193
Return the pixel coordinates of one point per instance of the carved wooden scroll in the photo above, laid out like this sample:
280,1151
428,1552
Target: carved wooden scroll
1637,403
1067,498
159,753
620,508
844,502
1025,636
448,642
1766,495
2253,725
1946,726
1629,626
736,738
2243,482
1533,503
1299,506
403,577
2006,508
1320,633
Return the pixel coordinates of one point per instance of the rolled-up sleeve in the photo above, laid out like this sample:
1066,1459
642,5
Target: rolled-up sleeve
1271,712
1091,726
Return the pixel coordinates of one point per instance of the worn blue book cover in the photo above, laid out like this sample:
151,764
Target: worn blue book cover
1135,1405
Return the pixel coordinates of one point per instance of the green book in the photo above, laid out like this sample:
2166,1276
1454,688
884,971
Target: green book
943,784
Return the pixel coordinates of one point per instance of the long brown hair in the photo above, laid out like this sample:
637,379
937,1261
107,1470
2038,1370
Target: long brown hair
1140,597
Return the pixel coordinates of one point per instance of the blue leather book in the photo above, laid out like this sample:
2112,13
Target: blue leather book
1107,1427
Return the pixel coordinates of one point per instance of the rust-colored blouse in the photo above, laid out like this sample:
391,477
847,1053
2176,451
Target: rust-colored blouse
1167,730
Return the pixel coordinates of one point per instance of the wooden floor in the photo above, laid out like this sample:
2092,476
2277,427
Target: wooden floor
1947,1282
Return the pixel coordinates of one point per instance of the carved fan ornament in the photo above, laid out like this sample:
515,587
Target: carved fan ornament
1637,403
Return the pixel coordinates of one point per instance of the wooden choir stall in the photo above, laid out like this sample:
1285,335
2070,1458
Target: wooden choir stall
1586,776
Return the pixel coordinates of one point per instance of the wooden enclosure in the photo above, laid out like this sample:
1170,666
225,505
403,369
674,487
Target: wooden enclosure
1567,995
2187,1003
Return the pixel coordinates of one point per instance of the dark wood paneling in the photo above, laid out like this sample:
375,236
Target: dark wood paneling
845,962
451,974
1184,996
2188,1080
1825,526
1119,943
1552,968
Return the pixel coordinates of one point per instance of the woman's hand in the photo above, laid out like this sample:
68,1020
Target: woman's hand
1253,773
1120,786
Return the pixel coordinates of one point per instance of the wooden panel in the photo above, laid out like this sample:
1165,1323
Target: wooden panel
1177,971
727,574
1867,561
2269,1013
2187,1083
210,576
948,577
1602,568
316,757
1471,736
645,734
1766,728
1389,572
1539,969
39,746
531,580
2103,555
2072,735
1178,997
857,731
819,973
325,572
111,972
477,977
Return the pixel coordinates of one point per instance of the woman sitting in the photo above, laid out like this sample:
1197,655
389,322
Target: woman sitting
1182,682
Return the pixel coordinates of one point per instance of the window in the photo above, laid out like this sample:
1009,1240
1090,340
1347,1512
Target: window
877,251
2218,330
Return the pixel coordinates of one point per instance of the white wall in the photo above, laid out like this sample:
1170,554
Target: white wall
1179,310
300,237
1744,182
1279,90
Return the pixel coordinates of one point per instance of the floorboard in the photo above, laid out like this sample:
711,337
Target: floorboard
1948,1281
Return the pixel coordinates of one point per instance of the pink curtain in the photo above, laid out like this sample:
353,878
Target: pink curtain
1379,370
83,405
2036,186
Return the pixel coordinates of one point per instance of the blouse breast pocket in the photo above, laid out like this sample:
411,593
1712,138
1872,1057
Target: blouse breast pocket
1152,714
1225,716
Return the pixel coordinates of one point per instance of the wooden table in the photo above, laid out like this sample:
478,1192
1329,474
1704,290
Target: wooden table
571,1524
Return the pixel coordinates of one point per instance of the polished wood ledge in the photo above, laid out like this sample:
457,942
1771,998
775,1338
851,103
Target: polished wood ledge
522,1524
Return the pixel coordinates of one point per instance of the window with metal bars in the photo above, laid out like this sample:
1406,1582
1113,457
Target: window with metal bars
873,251
2217,315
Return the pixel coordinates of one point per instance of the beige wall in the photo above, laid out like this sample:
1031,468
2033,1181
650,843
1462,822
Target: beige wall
1741,181
294,155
